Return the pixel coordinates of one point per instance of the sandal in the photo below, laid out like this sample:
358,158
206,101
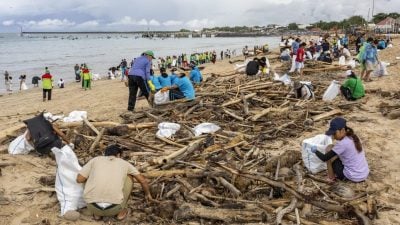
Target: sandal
331,180
123,214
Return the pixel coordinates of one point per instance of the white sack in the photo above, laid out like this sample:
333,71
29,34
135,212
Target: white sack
284,79
332,91
166,129
161,97
342,61
381,69
310,159
20,145
205,128
69,192
75,116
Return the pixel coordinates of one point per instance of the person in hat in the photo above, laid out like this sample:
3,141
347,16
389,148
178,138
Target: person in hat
303,90
138,76
47,84
346,159
164,78
195,74
173,75
352,88
182,88
109,182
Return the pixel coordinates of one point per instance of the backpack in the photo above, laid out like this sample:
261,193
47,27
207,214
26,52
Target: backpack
310,91
252,68
42,133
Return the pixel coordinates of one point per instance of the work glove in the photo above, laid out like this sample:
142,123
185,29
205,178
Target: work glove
151,86
71,145
164,89
313,149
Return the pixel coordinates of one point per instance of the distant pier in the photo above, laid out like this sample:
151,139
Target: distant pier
158,34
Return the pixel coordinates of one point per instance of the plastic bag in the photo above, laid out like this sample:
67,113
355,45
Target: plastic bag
309,56
381,69
166,129
293,67
332,91
205,128
69,192
20,145
75,116
284,79
161,97
310,159
352,63
342,61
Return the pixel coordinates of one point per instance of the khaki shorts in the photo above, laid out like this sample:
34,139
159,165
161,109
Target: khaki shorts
370,66
113,211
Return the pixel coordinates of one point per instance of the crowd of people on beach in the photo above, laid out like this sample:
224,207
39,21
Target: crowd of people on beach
180,76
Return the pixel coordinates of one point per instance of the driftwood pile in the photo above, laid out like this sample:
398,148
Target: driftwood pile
247,172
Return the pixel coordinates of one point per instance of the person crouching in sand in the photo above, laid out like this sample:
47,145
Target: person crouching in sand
346,159
108,184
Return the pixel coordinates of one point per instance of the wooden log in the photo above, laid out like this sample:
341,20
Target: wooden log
293,203
192,211
292,218
330,68
259,177
109,124
233,115
278,166
266,111
228,186
11,131
165,159
173,191
235,101
166,140
5,164
90,125
326,114
174,172
153,117
97,140
210,94
191,109
245,104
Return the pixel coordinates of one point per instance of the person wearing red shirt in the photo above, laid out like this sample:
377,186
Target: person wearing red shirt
300,58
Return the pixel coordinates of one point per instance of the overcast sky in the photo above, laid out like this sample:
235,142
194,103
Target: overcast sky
128,15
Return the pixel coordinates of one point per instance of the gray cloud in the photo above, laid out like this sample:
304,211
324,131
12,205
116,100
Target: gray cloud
176,14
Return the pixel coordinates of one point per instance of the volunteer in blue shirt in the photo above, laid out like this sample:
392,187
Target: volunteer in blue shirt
138,76
182,88
165,79
156,82
195,74
173,75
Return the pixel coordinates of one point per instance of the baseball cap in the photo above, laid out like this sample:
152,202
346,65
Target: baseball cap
336,124
149,53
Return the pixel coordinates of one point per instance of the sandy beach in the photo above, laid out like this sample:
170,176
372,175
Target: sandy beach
108,99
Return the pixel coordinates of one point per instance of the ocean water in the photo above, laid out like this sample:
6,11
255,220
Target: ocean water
30,54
